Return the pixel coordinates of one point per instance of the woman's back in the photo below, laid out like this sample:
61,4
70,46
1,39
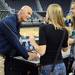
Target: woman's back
51,37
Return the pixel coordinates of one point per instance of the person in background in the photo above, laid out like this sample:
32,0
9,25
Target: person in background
70,22
73,34
50,35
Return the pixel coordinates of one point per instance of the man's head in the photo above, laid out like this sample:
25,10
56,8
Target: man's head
24,13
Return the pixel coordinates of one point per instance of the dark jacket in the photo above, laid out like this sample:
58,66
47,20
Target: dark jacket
9,36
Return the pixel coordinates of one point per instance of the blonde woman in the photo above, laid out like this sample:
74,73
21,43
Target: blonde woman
50,35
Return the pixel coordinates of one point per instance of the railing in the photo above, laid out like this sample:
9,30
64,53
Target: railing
4,13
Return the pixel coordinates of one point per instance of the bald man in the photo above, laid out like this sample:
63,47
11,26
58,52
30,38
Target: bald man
9,36
24,13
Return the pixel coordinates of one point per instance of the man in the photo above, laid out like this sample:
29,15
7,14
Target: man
9,35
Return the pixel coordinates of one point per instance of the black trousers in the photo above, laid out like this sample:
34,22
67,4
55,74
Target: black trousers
19,67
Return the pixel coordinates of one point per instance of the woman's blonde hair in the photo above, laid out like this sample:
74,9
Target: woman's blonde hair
54,15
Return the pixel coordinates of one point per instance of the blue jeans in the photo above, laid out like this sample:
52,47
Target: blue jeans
59,69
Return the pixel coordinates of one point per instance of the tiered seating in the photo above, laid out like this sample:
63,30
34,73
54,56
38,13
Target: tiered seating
18,3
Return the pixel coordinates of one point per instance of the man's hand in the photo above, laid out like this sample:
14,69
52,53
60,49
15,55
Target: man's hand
33,56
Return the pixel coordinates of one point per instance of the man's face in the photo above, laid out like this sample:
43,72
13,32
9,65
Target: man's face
26,14
73,10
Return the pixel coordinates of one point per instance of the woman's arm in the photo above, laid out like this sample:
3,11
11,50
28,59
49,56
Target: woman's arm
71,41
39,48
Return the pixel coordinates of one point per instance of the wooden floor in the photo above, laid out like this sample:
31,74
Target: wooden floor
29,31
1,65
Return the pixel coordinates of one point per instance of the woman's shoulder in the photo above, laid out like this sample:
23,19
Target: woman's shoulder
64,29
46,25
